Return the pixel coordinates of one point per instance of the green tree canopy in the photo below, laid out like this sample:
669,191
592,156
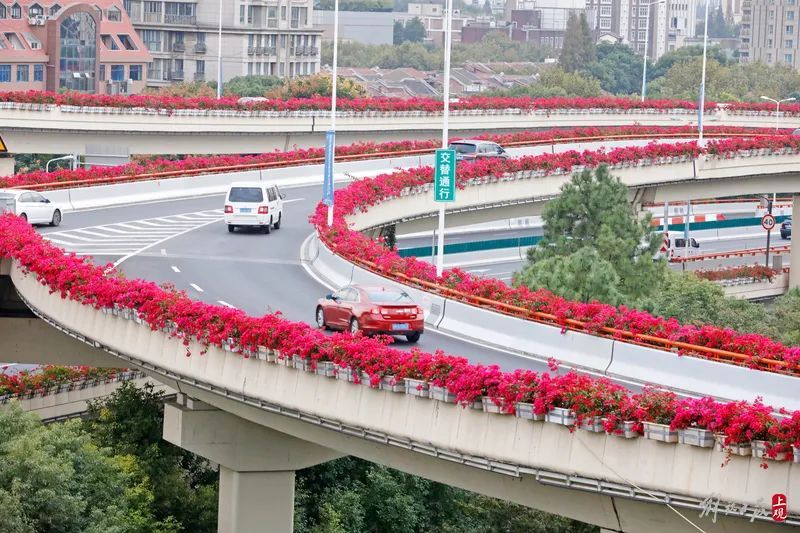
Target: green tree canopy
578,49
253,86
594,244
617,67
356,5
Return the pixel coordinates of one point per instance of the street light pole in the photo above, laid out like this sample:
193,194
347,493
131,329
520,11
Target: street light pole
219,53
448,42
334,90
778,108
646,43
63,158
703,82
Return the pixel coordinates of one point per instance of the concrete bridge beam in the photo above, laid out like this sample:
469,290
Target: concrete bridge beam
794,257
257,464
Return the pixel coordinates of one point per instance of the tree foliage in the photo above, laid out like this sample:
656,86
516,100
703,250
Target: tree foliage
594,244
356,5
184,89
578,49
252,86
617,68
413,31
717,25
554,81
54,479
316,85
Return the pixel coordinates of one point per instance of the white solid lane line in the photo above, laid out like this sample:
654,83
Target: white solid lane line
226,304
176,270
195,287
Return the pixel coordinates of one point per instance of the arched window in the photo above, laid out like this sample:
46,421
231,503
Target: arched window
3,11
16,12
78,61
55,8
114,14
35,10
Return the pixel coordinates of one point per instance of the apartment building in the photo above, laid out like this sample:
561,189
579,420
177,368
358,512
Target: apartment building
259,37
76,46
672,23
770,32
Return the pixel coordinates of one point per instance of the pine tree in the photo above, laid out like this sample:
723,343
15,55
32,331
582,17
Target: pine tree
579,48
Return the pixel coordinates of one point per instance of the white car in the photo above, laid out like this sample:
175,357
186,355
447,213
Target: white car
254,204
31,205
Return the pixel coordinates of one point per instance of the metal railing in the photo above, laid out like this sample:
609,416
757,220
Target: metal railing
176,75
152,17
190,20
178,47
200,48
199,76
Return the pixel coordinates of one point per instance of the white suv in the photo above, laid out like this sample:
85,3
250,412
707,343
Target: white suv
253,204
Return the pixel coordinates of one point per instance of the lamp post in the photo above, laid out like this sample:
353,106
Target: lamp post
448,42
703,78
778,108
330,135
63,158
219,53
646,42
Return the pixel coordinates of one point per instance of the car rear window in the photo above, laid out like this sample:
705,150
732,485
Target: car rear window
246,194
463,148
389,297
6,202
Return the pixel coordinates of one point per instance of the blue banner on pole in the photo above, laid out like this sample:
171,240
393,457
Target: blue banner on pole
327,184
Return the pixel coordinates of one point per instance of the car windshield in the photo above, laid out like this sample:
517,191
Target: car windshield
389,297
246,194
463,148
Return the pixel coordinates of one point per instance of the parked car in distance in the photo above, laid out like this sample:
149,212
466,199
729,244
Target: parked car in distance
32,206
253,205
471,150
372,310
786,229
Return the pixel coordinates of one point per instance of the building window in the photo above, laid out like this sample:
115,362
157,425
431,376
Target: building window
16,12
200,66
605,24
109,42
788,43
642,36
38,73
787,58
23,71
5,73
117,72
135,72
78,53
126,41
55,8
2,11
790,15
789,30
242,10
643,11
152,40
605,11
272,17
114,14
102,73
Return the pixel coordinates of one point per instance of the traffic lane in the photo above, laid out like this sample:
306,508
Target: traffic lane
259,286
477,236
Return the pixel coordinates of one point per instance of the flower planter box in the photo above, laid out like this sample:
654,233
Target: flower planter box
272,356
391,384
344,373
593,424
365,379
4,398
416,387
138,318
326,368
659,432
525,410
743,448
442,394
285,360
696,437
759,448
301,363
263,352
228,345
561,415
795,453
477,403
625,430
64,387
490,406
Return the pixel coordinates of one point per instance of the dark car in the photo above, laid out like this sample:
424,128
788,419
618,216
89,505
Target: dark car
373,310
786,229
471,150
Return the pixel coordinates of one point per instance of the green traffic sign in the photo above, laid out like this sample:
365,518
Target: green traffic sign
444,189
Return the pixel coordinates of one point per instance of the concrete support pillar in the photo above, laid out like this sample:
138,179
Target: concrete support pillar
257,464
794,257
7,165
248,501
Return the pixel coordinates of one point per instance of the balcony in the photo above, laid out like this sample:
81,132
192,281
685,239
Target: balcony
178,47
176,75
152,18
314,51
251,50
199,76
200,48
154,74
187,20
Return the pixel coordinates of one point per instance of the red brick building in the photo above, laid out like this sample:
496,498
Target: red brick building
66,45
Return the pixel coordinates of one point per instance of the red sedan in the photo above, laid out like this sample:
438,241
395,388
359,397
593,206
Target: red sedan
373,310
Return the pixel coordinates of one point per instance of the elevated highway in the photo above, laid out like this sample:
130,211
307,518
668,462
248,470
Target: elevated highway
44,128
261,420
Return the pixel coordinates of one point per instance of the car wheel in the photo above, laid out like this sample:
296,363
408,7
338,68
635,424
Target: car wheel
355,327
231,228
321,318
56,218
24,217
278,223
268,227
413,337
